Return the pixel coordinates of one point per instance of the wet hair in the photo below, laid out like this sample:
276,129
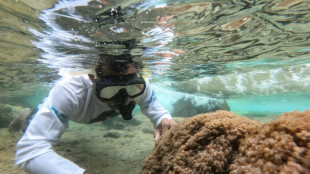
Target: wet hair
117,63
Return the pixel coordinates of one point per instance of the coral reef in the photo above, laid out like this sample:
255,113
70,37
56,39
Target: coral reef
222,142
281,146
206,143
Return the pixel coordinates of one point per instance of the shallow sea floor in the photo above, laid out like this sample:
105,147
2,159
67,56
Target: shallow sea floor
7,152
113,146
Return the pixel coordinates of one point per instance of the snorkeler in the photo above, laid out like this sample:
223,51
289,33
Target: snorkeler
115,88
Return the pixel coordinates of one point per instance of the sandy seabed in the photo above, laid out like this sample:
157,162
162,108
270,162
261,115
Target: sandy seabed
113,146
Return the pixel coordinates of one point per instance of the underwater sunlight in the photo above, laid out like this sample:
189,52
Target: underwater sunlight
250,57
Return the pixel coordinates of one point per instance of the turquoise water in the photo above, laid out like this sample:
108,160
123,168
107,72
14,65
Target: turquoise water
270,104
254,105
253,55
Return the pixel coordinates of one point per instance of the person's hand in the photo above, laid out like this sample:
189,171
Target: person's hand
85,172
163,126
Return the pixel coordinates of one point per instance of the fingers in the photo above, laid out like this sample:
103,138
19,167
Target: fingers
172,123
156,134
163,127
168,124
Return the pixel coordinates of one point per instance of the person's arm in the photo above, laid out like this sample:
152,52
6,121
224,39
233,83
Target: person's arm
159,116
34,151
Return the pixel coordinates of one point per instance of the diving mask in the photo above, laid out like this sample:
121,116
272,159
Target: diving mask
118,88
109,86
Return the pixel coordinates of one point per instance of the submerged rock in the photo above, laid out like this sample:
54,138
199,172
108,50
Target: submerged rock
222,142
20,122
193,105
7,114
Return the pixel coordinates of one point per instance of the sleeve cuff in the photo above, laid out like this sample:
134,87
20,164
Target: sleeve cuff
80,171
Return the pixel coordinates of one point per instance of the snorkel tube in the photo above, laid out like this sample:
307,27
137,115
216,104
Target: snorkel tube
125,109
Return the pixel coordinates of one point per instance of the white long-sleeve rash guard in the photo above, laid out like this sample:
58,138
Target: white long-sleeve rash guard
71,99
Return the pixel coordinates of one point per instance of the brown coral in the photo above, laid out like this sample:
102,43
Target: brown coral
282,146
222,142
206,143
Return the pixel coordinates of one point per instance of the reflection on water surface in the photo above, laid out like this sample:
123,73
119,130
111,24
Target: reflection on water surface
251,56
225,48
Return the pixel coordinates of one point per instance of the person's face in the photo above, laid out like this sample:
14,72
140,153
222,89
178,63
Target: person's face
114,104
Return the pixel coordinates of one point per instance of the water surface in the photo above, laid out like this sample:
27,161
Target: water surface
241,51
249,56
